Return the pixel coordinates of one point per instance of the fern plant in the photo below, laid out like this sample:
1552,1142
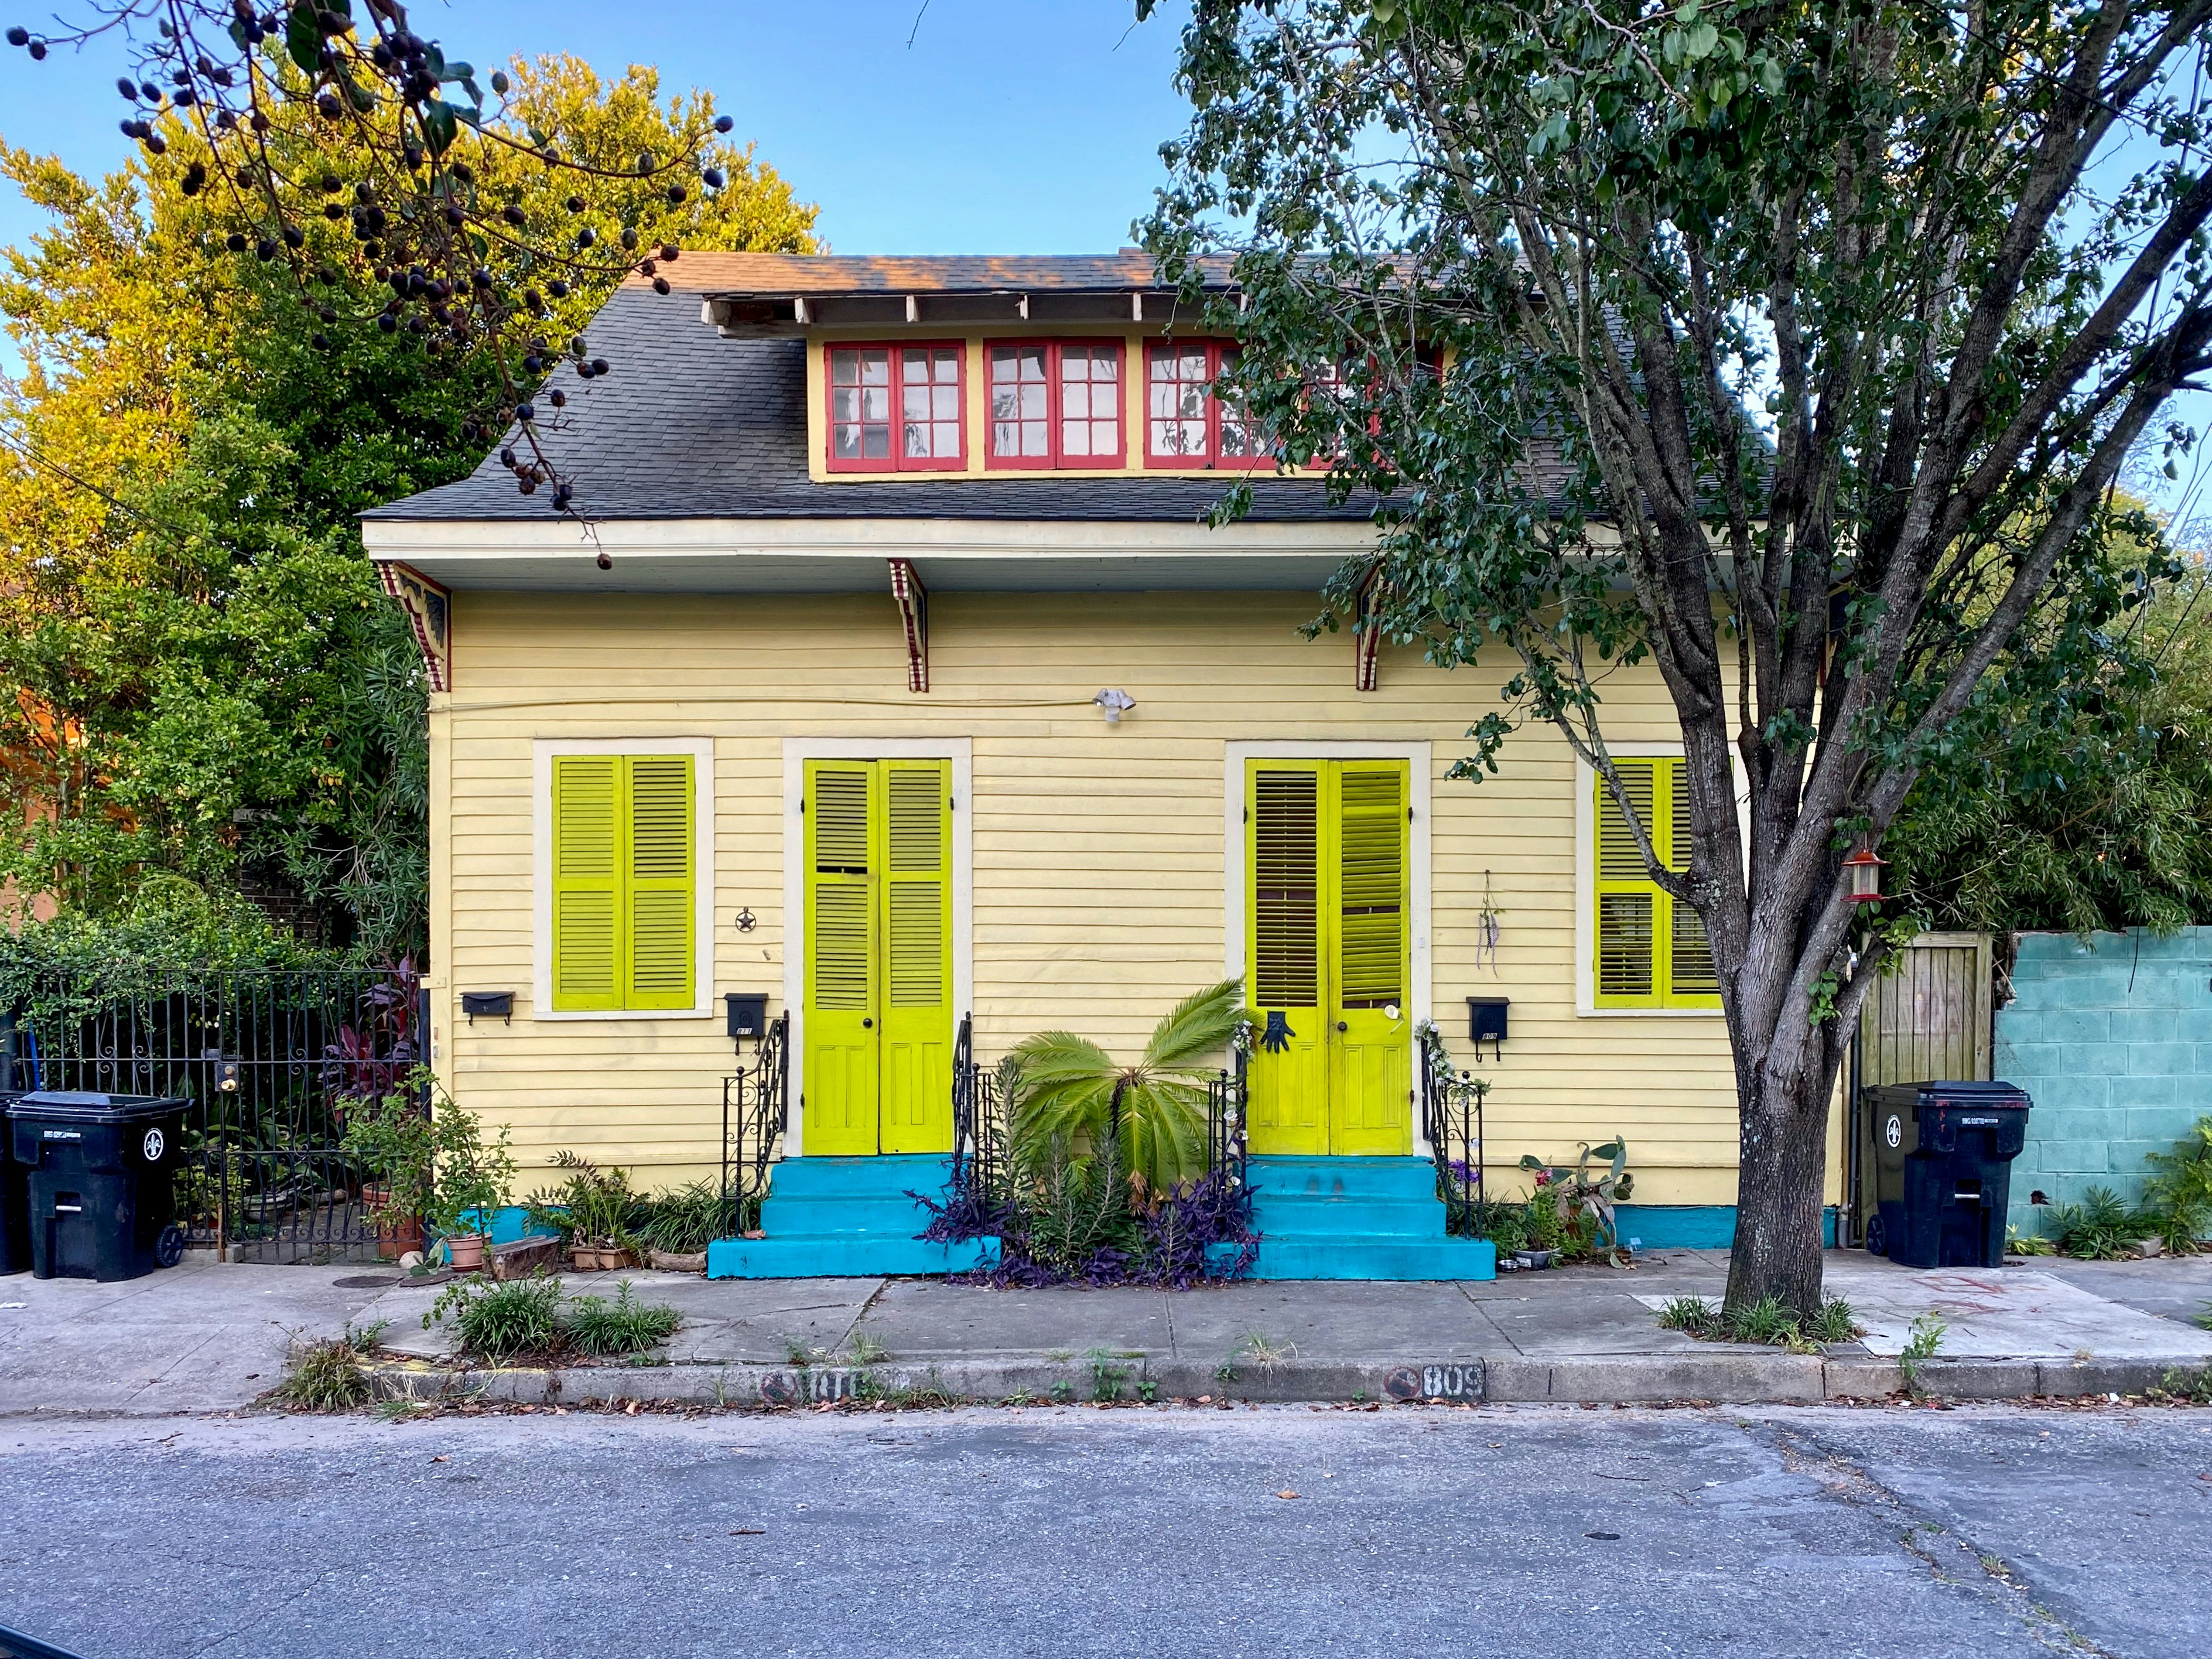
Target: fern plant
1072,1091
2178,1195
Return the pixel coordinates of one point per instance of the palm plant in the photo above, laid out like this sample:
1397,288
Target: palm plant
1071,1090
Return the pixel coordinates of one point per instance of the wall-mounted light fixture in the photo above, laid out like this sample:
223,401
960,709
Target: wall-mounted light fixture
1113,703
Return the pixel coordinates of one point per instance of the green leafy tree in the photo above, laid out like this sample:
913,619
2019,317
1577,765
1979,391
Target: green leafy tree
1792,350
198,672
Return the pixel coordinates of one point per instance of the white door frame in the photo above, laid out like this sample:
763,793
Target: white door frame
797,751
1420,993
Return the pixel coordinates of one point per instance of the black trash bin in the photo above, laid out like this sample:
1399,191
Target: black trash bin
99,1171
1943,1154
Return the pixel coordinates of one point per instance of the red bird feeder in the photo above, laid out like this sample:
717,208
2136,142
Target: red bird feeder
1865,870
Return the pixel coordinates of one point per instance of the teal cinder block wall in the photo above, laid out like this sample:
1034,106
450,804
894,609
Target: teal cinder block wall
2112,1041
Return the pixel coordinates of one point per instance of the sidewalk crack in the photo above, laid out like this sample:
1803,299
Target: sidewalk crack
874,1296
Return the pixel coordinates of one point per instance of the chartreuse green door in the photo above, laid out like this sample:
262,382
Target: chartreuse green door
1328,959
877,1075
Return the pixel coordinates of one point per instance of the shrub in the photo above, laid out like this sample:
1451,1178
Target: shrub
526,1316
2099,1229
592,1207
323,1376
498,1322
2178,1195
1768,1321
686,1221
625,1326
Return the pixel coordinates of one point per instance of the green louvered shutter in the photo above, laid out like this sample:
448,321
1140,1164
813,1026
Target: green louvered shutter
917,1041
1689,972
1627,897
587,953
660,886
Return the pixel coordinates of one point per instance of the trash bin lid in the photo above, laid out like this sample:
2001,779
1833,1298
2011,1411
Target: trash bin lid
75,1105
1976,1095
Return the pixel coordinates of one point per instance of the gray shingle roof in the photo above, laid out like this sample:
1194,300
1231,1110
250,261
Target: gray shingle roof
691,425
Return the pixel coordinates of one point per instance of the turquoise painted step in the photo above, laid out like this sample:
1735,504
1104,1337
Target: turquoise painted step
848,1256
1355,1218
805,1217
1336,1178
1376,1259
886,1177
849,1217
1405,1218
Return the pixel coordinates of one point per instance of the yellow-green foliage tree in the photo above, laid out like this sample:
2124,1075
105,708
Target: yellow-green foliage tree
197,672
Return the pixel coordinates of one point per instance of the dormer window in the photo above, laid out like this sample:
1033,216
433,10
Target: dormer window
1055,403
1185,426
896,408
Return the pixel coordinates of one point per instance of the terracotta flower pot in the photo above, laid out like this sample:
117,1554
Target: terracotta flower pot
466,1252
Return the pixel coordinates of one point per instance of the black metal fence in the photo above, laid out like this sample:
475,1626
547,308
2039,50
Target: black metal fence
1451,1119
271,1062
753,1115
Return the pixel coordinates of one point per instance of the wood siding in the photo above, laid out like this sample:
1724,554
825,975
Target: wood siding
1099,856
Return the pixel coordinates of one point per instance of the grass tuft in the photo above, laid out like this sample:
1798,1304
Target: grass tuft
323,1376
625,1326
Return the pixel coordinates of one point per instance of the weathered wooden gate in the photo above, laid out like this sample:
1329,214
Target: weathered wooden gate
1929,1018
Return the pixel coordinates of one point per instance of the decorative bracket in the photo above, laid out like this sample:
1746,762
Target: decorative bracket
429,610
1366,635
914,614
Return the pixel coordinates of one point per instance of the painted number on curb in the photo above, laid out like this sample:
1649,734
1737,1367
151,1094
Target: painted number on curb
807,1387
1434,1382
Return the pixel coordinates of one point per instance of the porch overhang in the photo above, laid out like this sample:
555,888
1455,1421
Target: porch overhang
741,556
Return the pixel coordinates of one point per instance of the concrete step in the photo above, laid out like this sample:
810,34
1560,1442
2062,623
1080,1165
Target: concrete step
1437,1258
1336,1178
855,1256
898,1215
1347,1218
890,1176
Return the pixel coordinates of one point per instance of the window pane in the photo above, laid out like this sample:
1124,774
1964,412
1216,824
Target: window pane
1089,401
1017,402
929,403
859,405
1175,399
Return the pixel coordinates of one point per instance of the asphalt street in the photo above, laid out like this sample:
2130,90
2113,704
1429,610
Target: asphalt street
1070,1531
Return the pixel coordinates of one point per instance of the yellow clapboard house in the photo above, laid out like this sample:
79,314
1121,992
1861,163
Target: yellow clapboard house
892,675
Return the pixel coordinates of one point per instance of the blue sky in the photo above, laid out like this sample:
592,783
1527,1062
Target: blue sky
1008,126
919,126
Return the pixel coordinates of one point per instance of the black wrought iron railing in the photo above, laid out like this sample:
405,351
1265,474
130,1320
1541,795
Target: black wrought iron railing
271,1064
1451,1121
1227,1157
979,1117
754,1101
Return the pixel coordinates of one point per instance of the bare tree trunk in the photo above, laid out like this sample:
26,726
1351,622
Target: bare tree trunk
1782,1142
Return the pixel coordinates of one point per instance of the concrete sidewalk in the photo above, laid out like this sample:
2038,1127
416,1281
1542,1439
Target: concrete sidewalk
213,1338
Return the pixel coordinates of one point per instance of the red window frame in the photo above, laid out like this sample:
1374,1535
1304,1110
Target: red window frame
1218,354
1056,458
897,461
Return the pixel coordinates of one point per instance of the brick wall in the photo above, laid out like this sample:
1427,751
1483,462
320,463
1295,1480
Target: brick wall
2112,1041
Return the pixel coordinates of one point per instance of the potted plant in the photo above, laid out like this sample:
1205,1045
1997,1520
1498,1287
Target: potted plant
432,1166
593,1211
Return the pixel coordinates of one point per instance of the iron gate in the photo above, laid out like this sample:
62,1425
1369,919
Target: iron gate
271,1062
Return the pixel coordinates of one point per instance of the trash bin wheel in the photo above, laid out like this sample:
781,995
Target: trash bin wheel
169,1248
1877,1239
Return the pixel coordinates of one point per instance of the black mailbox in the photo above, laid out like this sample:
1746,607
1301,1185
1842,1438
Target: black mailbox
748,1011
490,1004
1486,1019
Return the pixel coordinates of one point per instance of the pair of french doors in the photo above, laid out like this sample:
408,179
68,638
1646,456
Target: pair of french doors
1328,961
877,1070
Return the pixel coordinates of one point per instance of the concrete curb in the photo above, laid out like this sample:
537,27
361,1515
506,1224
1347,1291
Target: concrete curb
1732,1378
